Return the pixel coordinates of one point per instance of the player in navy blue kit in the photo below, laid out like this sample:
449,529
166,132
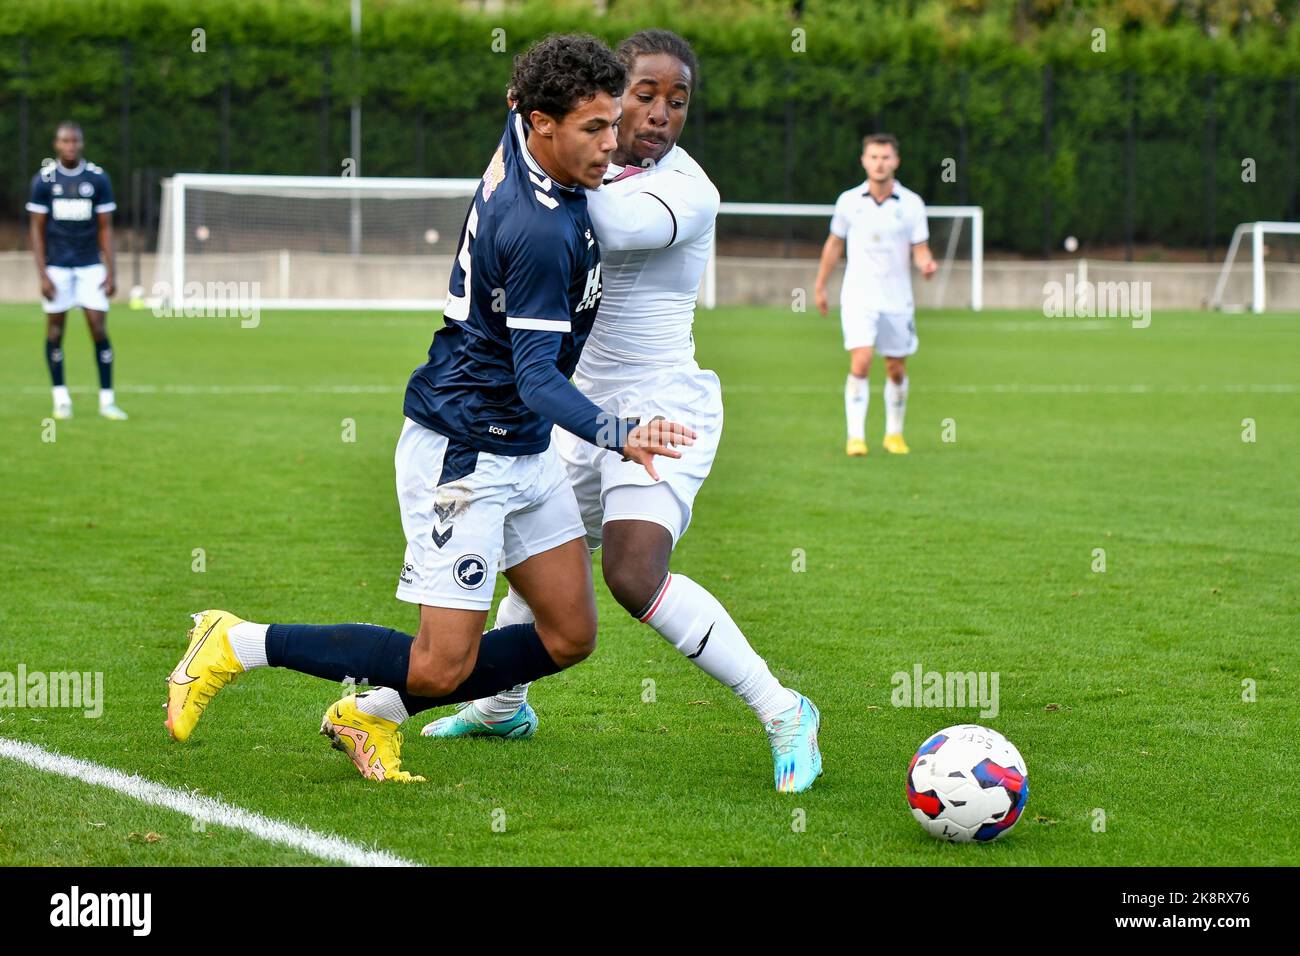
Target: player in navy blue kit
72,207
480,487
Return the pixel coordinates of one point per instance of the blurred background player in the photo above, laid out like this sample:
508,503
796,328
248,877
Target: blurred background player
654,219
881,222
479,481
72,241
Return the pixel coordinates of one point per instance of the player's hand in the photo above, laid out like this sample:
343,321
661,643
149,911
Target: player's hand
108,285
656,437
47,287
823,304
929,267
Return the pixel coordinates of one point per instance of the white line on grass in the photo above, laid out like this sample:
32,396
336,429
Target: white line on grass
1005,388
320,845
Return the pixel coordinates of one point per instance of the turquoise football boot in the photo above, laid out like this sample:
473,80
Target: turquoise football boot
796,758
468,722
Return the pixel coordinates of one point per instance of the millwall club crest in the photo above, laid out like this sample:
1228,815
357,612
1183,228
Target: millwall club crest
85,188
470,572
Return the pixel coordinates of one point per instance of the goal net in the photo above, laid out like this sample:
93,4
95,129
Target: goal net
308,241
1263,262
766,253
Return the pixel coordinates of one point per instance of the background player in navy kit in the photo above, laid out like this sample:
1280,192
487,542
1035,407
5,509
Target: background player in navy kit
72,240
479,484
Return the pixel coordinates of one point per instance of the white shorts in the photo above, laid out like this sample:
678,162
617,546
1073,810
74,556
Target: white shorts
686,394
76,286
468,514
892,334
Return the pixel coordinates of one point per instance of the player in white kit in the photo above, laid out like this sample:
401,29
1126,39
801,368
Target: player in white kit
883,225
654,220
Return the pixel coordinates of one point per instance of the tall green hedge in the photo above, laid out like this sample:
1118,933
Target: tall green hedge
1045,131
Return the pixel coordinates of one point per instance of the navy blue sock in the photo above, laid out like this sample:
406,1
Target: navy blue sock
381,657
367,653
507,656
104,358
54,359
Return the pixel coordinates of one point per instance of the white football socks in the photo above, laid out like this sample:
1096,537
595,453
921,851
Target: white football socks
106,397
856,397
248,641
61,395
895,405
511,610
383,702
692,620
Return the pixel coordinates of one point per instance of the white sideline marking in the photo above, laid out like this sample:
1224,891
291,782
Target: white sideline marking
320,845
1008,388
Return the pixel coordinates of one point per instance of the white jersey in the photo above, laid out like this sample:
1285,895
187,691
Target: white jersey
879,237
655,230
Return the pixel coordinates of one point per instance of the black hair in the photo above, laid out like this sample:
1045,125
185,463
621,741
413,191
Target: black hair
557,74
648,42
883,139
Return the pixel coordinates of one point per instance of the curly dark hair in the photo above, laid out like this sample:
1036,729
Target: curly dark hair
648,42
557,74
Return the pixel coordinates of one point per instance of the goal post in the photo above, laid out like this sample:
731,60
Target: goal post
1258,259
308,241
956,239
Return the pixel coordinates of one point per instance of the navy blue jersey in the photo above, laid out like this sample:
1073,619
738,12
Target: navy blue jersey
72,199
521,301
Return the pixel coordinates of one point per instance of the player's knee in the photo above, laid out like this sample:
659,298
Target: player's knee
632,579
571,640
436,674
428,677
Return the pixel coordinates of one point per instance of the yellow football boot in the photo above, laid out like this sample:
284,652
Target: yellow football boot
895,445
209,664
373,743
856,448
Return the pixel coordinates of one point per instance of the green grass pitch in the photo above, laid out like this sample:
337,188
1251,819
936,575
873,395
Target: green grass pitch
1123,688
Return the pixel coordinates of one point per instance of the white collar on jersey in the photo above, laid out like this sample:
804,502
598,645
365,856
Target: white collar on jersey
616,170
74,171
522,137
895,194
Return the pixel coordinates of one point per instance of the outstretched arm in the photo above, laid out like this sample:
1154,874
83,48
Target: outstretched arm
552,396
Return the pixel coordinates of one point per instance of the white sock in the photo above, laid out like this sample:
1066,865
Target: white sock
248,641
511,610
856,396
61,395
693,621
382,702
895,405
105,397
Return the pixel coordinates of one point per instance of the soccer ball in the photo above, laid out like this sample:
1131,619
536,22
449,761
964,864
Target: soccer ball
967,783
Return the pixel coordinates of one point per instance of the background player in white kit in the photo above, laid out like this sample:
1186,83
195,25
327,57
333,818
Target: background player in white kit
654,221
884,227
